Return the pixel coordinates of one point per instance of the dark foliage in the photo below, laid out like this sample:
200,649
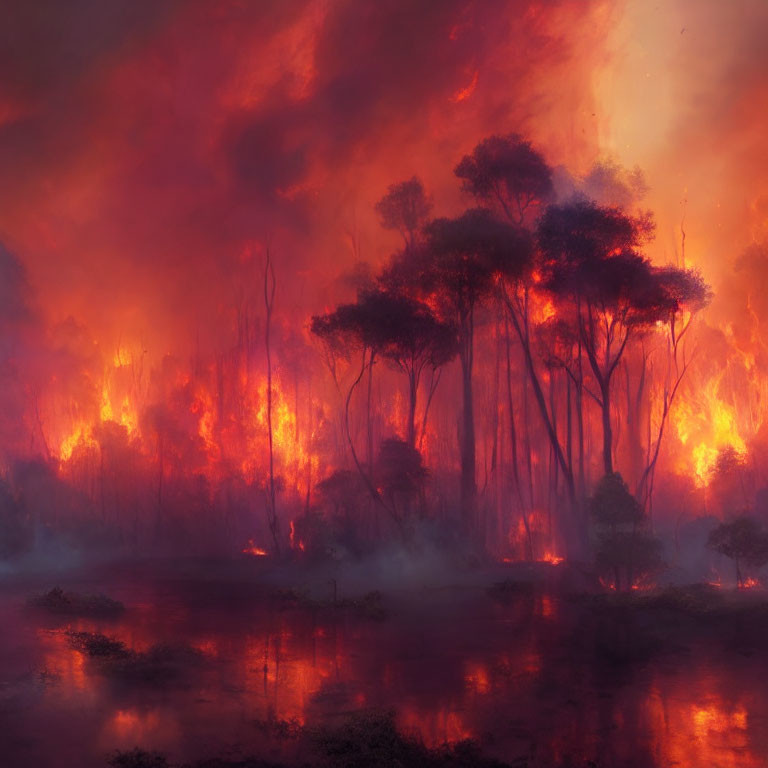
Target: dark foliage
15,525
460,259
400,471
405,208
366,740
341,492
100,646
508,172
626,550
743,540
73,604
612,505
371,740
137,758
628,556
159,665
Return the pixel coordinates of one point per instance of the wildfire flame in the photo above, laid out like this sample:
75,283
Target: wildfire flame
252,549
705,425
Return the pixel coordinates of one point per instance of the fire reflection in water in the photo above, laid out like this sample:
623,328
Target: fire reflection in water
509,677
713,731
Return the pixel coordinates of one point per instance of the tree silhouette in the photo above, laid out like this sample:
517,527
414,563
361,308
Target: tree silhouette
590,258
684,294
350,328
508,173
401,475
625,547
457,267
742,540
405,208
414,339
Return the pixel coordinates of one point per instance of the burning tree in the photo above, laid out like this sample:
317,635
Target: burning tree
415,340
625,546
683,294
395,327
456,270
391,325
744,541
356,328
591,261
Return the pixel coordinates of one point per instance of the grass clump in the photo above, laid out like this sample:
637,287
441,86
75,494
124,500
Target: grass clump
372,740
58,601
246,762
699,601
99,646
368,739
290,597
161,663
282,730
137,758
369,606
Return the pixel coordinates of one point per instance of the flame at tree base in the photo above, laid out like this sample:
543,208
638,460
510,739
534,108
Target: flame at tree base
254,551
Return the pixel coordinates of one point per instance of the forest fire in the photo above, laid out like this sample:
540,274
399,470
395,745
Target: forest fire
322,322
706,425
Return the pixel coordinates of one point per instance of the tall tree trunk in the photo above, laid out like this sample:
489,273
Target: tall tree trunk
527,443
269,299
468,483
369,416
522,333
413,391
568,423
580,427
513,445
434,380
518,314
605,396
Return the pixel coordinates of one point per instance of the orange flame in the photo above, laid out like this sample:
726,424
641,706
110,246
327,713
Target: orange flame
252,549
706,425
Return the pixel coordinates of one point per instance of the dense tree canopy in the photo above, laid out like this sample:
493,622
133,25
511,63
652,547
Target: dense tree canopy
508,173
405,208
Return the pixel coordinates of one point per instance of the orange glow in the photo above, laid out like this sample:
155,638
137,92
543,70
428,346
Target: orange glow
252,549
295,544
217,439
546,607
476,678
712,731
64,662
115,406
705,425
464,93
436,727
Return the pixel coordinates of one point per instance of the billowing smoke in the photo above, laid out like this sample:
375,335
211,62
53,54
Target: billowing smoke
147,147
154,152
